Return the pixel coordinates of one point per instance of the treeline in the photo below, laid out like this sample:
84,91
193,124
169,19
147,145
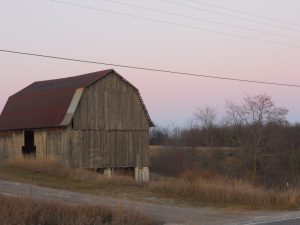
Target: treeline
221,135
266,147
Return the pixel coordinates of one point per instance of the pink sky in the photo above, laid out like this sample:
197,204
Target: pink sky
54,29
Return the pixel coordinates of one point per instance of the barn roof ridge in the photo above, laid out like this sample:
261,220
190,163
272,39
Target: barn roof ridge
76,76
46,103
72,82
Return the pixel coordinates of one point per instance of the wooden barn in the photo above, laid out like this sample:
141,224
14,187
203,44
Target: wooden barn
95,121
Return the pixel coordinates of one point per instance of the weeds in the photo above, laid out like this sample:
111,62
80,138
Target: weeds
16,211
226,192
192,186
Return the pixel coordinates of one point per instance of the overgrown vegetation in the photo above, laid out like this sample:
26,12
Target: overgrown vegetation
17,211
225,192
52,173
190,187
266,147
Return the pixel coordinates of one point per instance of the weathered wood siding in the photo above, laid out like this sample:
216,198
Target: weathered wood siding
58,145
52,143
40,139
110,104
110,126
11,143
103,149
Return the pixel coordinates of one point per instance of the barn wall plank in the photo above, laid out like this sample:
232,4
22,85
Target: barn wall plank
40,138
6,145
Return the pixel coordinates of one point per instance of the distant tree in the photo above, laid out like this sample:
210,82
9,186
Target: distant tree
158,136
206,116
251,116
207,119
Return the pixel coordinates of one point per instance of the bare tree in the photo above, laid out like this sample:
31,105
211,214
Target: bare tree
207,119
206,116
254,112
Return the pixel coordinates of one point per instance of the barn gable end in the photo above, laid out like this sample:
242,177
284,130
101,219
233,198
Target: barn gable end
111,104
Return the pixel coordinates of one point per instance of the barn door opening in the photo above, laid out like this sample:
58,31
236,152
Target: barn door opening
29,149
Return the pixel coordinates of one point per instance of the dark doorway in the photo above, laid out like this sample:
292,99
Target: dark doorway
29,149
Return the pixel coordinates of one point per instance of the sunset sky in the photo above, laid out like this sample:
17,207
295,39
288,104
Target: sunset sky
48,27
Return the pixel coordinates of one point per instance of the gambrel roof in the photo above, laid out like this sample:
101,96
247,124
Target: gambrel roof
51,103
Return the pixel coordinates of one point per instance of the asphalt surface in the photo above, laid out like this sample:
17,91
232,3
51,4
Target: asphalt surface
291,221
168,213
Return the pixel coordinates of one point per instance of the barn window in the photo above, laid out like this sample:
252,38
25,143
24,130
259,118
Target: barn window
29,149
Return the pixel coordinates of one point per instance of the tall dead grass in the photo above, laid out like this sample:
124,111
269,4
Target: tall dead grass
53,167
47,166
191,186
16,211
221,191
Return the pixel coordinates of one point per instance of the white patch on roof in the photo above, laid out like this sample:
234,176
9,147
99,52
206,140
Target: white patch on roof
72,107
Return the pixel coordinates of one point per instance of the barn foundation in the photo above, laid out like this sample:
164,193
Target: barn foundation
141,174
108,172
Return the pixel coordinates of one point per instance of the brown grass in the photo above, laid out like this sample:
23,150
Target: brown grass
226,192
52,167
16,211
191,187
44,166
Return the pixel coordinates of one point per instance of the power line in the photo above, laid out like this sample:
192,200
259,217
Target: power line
229,15
149,69
244,12
202,20
176,24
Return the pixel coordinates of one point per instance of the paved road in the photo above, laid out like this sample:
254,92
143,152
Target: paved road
168,213
290,221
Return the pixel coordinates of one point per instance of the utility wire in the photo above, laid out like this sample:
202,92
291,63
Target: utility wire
244,12
176,24
150,69
202,20
229,15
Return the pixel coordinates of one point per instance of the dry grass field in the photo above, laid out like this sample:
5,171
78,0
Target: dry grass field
191,187
16,211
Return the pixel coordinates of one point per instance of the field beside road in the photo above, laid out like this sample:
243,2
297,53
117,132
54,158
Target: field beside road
190,188
124,211
183,196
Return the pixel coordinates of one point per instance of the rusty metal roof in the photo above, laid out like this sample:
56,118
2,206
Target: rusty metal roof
45,104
